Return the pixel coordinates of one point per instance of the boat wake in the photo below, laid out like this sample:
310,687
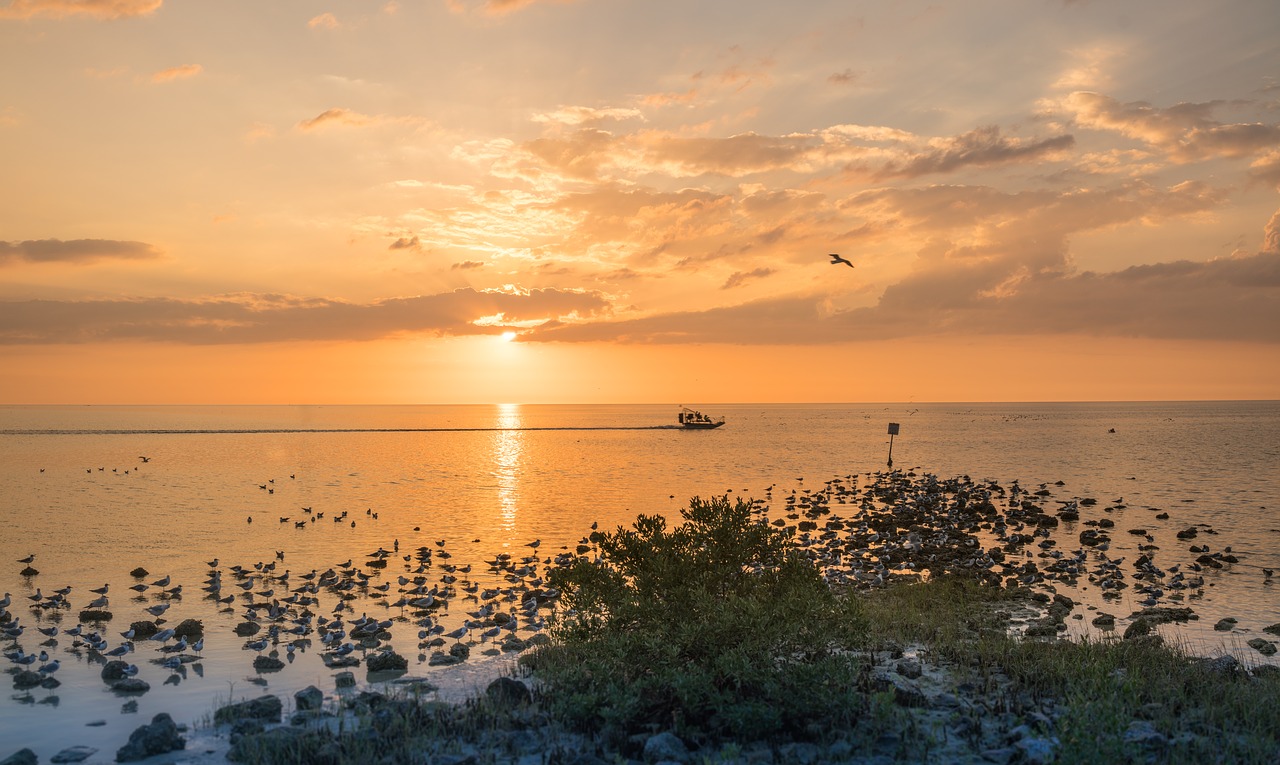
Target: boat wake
244,431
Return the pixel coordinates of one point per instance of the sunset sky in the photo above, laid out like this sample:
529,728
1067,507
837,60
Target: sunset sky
452,201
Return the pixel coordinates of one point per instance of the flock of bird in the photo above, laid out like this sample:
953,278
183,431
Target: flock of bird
863,531
287,612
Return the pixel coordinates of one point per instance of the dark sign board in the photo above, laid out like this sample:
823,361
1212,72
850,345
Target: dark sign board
893,428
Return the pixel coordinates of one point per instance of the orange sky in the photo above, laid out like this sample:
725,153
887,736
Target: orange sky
346,202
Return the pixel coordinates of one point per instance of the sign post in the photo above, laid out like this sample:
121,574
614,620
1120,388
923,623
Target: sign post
893,431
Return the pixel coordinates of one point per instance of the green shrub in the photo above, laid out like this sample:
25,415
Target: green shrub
717,626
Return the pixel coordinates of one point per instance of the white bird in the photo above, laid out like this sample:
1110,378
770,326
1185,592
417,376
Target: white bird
157,609
50,668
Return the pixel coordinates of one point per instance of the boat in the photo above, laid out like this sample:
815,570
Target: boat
692,419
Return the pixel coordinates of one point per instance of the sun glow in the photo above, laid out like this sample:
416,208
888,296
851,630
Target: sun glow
507,337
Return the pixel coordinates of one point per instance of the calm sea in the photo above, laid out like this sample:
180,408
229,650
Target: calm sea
93,492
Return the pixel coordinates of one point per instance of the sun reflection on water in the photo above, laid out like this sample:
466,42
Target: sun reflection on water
508,448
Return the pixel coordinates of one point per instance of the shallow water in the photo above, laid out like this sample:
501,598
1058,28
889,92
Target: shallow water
490,479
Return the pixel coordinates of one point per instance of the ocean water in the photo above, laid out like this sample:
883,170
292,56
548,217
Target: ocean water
478,481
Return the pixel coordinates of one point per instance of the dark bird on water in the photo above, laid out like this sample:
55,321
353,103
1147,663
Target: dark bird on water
836,259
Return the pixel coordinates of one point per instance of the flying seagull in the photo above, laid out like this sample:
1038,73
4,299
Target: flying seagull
837,259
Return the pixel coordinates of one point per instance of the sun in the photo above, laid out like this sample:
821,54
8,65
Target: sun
507,337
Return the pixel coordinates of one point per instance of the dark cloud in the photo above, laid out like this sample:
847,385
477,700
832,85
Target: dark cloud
405,243
977,148
466,265
739,278
1235,299
277,318
75,251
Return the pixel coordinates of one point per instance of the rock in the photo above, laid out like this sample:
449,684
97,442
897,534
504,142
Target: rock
1274,629
28,571
344,680
267,664
144,629
442,659
507,692
1223,665
1139,627
665,747
74,754
386,661
1104,620
336,662
460,650
800,753
26,679
246,629
1188,533
1092,537
1225,625
191,629
308,699
96,616
910,668
262,708
139,572
1002,756
1143,733
1038,750
159,737
1263,646
1165,614
114,670
131,685
21,757
909,696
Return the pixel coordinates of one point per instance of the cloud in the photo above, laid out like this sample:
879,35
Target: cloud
323,21
467,265
978,148
1186,131
739,278
405,243
493,7
336,116
61,9
177,73
1271,234
846,77
243,319
343,117
1234,299
586,115
75,251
